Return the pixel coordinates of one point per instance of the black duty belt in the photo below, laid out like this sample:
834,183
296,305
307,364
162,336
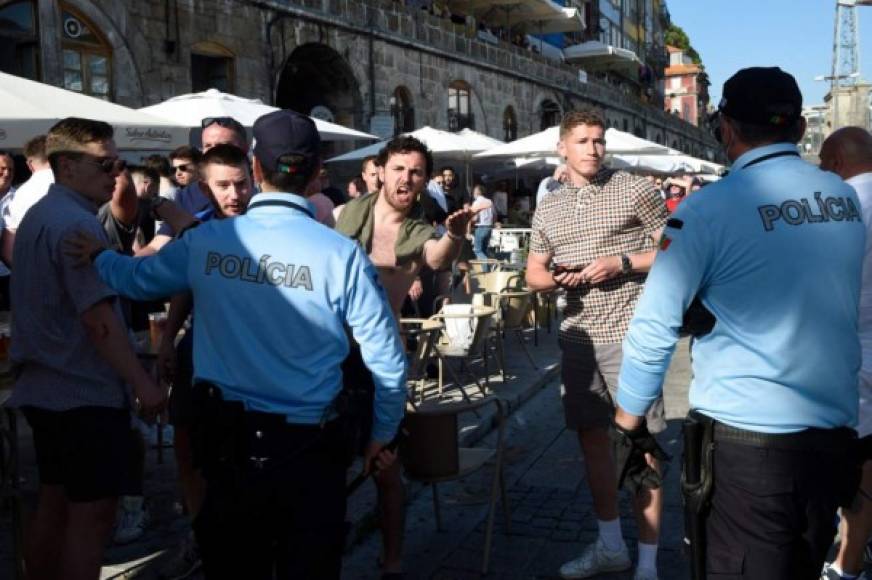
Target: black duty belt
812,439
262,419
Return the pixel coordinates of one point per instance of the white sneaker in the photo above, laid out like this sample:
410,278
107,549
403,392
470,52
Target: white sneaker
645,574
596,559
132,520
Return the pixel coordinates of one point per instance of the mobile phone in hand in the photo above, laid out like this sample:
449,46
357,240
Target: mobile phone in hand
562,269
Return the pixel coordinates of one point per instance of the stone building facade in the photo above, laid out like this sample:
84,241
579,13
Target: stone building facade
371,65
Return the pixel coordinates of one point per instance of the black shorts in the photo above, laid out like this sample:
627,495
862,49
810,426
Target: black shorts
181,403
91,451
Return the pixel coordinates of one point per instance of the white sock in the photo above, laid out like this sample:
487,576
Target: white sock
648,556
610,534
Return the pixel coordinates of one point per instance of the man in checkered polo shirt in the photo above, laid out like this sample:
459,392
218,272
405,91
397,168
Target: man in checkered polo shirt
599,232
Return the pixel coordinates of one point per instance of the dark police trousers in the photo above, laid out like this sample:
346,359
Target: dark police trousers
275,494
774,501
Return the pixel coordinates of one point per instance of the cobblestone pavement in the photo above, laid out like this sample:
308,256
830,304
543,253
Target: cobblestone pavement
551,509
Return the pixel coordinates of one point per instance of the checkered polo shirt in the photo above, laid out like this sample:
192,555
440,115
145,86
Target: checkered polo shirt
616,213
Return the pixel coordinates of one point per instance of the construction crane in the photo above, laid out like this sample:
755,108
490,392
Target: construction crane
845,77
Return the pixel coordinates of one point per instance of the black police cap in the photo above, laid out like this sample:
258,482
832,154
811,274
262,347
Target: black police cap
282,133
762,96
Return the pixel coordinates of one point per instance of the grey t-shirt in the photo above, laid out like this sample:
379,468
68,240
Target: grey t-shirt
59,367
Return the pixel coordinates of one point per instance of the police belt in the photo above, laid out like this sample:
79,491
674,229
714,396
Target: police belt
812,439
272,421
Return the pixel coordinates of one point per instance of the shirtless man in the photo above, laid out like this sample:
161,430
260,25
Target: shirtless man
392,228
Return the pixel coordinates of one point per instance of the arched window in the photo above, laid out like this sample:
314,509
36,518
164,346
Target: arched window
19,39
510,125
212,67
549,114
459,107
87,56
402,111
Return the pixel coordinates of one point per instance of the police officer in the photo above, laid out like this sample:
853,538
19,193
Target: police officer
774,253
273,294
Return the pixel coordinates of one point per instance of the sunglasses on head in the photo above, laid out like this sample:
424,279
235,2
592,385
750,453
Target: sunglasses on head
226,122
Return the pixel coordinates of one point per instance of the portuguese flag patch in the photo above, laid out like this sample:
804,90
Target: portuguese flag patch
665,241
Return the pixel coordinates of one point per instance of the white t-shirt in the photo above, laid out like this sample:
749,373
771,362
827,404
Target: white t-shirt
863,185
30,192
485,217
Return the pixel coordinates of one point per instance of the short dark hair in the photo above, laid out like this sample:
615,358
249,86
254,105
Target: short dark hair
367,160
296,173
405,144
35,148
573,119
186,152
756,135
447,168
160,164
70,135
145,170
223,154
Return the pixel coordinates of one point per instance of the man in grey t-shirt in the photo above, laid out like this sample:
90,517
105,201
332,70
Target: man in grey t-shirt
75,361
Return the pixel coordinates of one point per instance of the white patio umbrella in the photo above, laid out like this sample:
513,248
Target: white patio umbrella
31,108
544,144
462,145
445,146
670,163
191,109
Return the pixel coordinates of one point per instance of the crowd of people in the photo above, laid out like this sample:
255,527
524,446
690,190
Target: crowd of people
286,292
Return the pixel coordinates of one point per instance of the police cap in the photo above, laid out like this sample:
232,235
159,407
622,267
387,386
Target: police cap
283,133
762,96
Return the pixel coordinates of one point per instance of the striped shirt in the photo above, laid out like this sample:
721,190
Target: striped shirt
616,213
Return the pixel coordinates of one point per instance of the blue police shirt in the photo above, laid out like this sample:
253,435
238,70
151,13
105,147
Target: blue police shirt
775,252
272,292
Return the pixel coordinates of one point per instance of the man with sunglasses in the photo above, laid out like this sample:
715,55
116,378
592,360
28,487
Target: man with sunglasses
183,164
216,131
774,251
79,377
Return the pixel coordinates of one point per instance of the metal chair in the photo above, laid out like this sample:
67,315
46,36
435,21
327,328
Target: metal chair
464,337
425,332
496,281
432,454
513,309
486,265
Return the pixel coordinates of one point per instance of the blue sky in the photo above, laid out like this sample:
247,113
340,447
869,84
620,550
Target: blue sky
796,35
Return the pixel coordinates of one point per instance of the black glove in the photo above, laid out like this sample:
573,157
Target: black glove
629,449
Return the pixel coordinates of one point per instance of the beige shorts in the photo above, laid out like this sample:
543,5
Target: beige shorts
590,387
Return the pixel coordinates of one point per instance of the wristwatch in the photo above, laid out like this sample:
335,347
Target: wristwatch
155,204
626,264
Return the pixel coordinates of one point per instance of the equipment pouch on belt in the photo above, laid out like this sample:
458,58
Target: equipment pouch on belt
696,486
217,426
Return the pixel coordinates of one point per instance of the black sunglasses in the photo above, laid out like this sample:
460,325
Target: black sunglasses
106,164
184,167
